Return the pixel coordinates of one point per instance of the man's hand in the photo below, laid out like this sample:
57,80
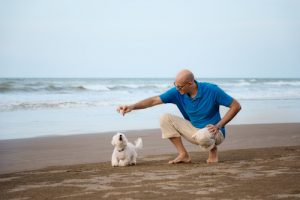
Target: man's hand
212,129
146,103
125,109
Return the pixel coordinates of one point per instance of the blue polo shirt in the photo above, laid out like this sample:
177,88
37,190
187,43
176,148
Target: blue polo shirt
204,108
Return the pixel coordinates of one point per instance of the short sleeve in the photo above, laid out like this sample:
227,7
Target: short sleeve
169,96
222,97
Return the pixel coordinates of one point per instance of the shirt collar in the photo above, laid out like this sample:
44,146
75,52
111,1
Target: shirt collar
199,92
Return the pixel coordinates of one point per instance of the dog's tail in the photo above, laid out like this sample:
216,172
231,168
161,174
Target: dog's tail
138,143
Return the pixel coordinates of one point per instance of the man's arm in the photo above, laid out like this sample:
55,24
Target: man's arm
146,103
234,108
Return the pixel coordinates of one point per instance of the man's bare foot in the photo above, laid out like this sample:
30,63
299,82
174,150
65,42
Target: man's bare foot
181,158
213,156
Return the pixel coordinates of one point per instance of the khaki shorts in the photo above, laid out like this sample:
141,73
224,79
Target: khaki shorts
174,126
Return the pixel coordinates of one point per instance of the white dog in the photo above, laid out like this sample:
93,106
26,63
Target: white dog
124,153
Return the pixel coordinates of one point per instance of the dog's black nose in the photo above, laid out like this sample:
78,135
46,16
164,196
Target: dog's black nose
120,137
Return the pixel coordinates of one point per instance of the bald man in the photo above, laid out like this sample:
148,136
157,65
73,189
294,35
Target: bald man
199,104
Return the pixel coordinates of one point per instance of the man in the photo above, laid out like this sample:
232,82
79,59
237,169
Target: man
199,104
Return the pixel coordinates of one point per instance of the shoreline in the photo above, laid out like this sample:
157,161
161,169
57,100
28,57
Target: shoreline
82,120
36,153
131,131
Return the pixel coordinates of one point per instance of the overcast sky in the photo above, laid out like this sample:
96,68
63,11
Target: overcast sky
151,38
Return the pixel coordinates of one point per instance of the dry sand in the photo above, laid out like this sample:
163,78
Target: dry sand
256,162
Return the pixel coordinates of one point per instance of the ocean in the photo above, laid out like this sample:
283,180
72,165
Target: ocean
37,107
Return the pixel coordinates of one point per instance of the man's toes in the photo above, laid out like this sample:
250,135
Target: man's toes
211,161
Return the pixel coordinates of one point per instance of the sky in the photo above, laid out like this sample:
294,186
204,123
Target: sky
156,38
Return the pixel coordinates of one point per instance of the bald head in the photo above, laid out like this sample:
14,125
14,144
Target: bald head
185,76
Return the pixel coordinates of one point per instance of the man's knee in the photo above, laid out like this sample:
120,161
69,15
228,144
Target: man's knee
167,128
219,138
165,118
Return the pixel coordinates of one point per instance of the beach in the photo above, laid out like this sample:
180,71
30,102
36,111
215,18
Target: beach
74,74
258,161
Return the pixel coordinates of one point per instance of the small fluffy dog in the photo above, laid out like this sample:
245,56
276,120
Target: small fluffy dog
124,153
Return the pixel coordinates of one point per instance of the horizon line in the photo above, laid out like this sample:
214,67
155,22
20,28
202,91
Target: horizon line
91,77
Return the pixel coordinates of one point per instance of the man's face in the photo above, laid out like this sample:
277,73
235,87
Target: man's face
181,86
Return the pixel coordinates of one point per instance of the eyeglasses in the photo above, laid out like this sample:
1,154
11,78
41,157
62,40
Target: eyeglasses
179,87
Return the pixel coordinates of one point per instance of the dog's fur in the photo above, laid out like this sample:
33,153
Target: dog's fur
124,153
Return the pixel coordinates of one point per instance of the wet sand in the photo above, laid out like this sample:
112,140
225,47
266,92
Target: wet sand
256,162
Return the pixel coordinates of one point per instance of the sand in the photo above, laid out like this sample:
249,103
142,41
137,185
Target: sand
256,162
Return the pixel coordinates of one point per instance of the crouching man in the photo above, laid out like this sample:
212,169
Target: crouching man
199,104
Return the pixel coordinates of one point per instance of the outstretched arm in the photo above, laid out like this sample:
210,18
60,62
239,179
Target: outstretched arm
146,103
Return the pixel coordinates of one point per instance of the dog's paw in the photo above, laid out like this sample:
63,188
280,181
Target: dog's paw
133,163
123,163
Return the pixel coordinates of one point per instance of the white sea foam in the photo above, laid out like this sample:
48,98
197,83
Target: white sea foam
95,87
26,94
283,83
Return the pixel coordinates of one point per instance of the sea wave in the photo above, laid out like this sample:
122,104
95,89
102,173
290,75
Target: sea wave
30,94
86,85
54,104
33,88
283,83
104,102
